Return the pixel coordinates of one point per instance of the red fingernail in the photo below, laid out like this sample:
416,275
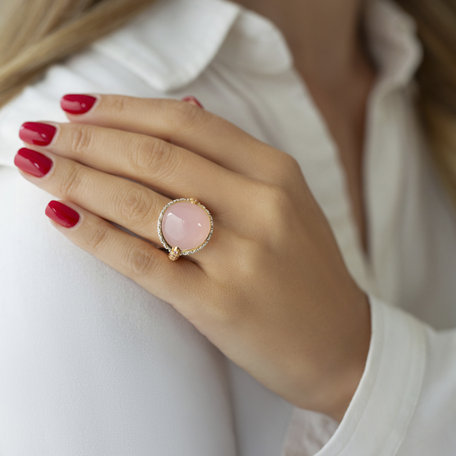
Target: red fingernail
75,103
62,214
32,162
193,100
37,133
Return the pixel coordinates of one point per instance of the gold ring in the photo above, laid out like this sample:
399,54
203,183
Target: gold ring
184,227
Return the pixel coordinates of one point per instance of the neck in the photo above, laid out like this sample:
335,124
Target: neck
323,36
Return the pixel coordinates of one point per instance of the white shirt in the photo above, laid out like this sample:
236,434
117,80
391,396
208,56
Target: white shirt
92,364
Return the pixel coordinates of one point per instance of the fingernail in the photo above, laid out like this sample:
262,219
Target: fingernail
61,214
193,100
37,133
32,162
75,103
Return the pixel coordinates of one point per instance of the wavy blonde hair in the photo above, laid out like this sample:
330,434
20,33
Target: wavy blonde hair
436,77
35,34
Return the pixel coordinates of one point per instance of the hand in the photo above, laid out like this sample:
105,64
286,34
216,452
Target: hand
270,289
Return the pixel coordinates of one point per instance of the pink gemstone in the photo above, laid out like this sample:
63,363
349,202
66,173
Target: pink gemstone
185,225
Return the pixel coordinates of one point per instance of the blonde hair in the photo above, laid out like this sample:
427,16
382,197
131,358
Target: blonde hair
436,77
35,34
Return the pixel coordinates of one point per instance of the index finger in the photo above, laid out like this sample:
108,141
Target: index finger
179,122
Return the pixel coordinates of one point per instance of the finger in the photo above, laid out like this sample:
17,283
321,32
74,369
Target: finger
186,125
179,283
168,169
121,201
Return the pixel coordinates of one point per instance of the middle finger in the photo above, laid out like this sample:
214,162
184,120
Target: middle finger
168,169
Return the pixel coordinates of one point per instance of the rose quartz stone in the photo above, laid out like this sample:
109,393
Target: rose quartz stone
185,225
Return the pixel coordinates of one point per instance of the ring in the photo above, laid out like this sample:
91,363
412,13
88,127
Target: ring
184,227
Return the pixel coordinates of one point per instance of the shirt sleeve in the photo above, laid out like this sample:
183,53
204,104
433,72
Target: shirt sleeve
405,402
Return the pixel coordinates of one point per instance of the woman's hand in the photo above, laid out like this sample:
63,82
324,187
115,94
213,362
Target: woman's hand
270,289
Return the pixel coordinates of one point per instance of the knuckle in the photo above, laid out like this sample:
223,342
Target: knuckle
224,313
224,308
116,103
71,182
97,237
187,116
81,139
275,206
135,206
229,304
286,169
139,261
251,259
276,200
152,155
289,163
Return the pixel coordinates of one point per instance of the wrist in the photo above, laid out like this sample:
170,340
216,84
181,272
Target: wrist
347,382
338,382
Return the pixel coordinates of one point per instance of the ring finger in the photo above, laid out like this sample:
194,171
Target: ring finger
129,204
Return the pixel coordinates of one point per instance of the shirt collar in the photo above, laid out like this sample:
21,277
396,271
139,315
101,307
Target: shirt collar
393,41
173,41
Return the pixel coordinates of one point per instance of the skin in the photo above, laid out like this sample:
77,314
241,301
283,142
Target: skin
270,289
327,42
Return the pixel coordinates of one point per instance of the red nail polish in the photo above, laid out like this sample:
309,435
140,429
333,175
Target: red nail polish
62,214
37,133
75,103
32,162
193,100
